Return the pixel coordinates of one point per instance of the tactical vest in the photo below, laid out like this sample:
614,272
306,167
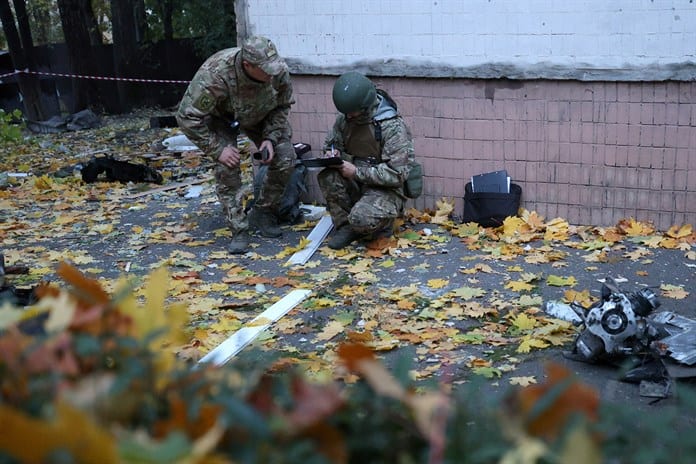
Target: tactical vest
364,139
361,140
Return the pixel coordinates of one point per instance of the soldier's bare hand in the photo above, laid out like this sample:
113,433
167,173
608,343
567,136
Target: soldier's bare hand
229,157
332,153
347,169
268,145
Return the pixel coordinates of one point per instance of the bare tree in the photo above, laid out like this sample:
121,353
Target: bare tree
21,49
79,38
128,26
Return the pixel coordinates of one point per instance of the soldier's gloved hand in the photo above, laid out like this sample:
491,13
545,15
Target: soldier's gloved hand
268,145
229,157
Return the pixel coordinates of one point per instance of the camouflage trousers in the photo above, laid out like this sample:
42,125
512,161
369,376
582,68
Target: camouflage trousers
367,209
234,186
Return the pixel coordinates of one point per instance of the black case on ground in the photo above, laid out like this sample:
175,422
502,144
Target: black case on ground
489,209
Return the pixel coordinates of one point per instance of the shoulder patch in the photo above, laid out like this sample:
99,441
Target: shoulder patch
205,102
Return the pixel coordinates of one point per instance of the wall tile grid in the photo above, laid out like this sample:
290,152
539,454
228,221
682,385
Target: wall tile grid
590,152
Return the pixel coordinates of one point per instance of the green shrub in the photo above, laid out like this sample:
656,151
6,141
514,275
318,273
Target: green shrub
10,129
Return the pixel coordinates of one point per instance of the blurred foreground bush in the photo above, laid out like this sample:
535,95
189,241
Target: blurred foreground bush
87,377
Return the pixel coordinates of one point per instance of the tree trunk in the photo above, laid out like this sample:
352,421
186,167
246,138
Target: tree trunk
28,84
95,37
82,60
48,99
166,8
128,25
42,22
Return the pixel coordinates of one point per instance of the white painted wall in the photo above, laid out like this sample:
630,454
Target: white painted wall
481,38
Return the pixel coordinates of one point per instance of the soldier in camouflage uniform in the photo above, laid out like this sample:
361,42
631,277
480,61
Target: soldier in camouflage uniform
365,193
250,85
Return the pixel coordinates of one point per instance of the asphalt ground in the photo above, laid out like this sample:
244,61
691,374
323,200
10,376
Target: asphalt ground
439,293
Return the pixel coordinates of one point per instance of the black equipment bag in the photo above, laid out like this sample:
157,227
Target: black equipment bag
489,209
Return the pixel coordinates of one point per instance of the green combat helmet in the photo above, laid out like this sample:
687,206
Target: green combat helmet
353,92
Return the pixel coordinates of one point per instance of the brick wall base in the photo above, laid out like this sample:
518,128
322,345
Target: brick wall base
589,152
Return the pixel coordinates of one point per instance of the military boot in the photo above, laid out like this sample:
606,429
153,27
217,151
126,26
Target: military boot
239,243
343,237
265,222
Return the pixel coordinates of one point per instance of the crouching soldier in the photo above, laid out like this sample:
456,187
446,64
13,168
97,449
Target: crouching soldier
365,193
250,86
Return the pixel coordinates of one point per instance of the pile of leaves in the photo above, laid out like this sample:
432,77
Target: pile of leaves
87,376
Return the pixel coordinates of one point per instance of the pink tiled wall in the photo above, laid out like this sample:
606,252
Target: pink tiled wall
590,152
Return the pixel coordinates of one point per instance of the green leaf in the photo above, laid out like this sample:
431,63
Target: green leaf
344,317
473,338
558,281
487,372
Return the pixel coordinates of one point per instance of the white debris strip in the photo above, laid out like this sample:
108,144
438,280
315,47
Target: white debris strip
194,191
315,237
241,338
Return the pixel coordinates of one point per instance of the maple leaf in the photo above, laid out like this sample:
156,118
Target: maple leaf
514,225
524,322
670,243
468,293
519,286
529,277
226,325
680,232
155,316
533,220
634,228
557,229
444,208
287,251
537,258
438,283
323,302
673,291
523,381
332,329
637,254
653,241
479,267
595,245
528,300
583,298
558,281
529,342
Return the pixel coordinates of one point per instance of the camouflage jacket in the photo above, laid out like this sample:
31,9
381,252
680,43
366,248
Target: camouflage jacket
221,92
390,167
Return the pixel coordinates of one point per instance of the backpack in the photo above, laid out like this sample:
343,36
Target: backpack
289,209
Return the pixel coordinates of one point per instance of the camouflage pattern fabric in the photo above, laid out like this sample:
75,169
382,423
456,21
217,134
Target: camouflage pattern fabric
221,92
375,197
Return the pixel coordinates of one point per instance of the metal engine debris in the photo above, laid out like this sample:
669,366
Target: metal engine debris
624,328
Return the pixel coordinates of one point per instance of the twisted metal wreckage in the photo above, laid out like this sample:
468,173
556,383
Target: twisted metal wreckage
623,328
